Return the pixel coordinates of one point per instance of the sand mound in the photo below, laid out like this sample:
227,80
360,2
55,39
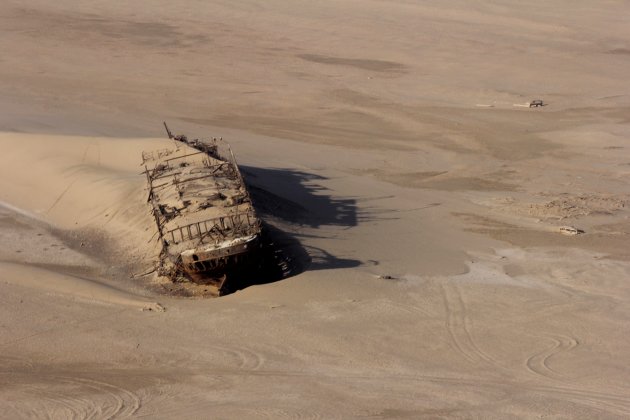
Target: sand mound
84,186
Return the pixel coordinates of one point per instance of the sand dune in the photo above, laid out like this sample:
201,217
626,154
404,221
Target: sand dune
430,278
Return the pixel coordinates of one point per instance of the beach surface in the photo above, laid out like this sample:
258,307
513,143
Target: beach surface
391,149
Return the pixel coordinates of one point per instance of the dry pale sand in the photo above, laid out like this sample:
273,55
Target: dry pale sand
382,139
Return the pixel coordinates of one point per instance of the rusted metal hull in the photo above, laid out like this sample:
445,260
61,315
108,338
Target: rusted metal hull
222,267
208,227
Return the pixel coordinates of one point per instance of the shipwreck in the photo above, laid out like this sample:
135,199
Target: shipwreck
205,219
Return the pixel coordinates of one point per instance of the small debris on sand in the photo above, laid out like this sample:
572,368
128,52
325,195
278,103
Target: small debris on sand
570,230
153,307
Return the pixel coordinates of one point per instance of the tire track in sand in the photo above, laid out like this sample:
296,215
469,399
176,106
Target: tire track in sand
538,363
459,326
83,398
247,359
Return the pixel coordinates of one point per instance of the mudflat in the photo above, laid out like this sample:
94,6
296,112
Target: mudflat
389,148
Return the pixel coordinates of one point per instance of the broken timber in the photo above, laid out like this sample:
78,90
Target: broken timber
205,220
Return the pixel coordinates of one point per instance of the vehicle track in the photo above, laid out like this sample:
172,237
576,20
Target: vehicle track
539,362
75,397
246,359
459,327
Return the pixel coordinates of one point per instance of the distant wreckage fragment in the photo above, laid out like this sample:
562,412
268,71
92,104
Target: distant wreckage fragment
203,212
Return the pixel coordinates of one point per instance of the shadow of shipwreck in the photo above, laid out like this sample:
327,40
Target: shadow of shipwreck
299,198
288,200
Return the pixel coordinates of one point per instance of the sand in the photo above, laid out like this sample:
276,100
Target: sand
388,149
